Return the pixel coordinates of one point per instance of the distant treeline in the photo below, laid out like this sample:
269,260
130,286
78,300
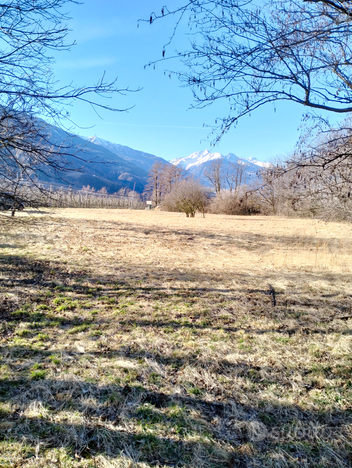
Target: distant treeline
89,198
315,181
55,196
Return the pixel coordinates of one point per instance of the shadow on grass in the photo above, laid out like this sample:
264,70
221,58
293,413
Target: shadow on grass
185,425
89,419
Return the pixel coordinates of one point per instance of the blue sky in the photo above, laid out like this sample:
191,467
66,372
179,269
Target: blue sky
161,121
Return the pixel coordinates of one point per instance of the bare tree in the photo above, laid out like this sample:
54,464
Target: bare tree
249,55
161,179
30,32
316,180
234,176
171,175
271,189
214,173
154,185
103,191
323,145
134,195
322,168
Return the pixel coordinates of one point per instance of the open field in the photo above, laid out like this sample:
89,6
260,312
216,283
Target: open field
145,339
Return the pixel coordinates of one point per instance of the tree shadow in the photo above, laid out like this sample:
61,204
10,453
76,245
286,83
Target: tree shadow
159,408
90,419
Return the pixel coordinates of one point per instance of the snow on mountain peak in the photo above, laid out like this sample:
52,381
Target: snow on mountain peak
257,162
196,159
202,157
198,163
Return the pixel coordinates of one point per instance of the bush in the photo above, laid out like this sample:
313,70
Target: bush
187,196
236,204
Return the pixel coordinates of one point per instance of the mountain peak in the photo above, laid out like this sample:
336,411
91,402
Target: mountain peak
196,159
199,161
139,158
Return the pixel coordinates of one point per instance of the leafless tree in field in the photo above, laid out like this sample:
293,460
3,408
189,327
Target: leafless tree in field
215,174
225,175
161,179
154,185
171,175
234,176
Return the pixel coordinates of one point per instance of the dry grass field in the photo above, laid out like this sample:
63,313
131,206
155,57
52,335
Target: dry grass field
148,339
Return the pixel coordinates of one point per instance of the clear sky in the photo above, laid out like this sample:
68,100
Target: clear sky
161,121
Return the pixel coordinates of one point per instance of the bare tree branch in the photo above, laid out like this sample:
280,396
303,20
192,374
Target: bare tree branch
250,55
31,30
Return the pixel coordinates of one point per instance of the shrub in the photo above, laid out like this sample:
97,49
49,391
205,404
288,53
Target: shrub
236,204
187,196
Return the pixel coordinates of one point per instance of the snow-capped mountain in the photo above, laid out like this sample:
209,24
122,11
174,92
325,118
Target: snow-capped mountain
257,162
203,157
136,157
195,159
196,163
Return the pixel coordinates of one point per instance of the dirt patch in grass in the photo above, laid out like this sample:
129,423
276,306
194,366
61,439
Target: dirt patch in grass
149,339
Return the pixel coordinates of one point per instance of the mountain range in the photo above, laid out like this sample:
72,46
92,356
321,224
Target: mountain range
97,163
197,164
101,163
138,158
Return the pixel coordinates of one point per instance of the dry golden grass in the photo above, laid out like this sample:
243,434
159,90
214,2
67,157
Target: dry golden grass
138,338
221,241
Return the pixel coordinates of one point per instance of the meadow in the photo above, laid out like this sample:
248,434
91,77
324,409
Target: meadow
148,339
